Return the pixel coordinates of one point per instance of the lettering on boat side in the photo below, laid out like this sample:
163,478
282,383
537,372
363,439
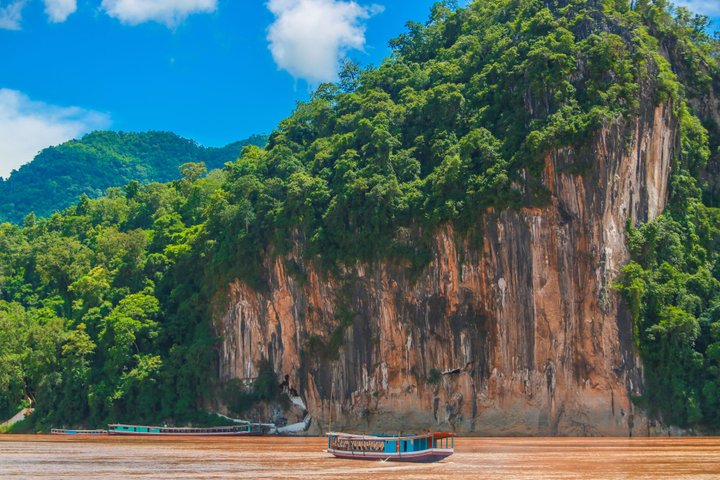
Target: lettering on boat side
352,444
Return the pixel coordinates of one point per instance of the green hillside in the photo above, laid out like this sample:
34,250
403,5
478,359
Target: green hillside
105,308
59,175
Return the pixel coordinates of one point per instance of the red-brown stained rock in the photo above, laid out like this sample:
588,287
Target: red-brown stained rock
533,336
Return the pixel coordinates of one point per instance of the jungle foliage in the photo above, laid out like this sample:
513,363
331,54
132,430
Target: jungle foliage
106,307
59,175
673,283
103,310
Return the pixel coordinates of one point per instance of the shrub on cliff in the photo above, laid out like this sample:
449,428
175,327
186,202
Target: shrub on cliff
456,122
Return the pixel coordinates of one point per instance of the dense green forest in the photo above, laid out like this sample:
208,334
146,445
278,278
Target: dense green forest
59,175
105,308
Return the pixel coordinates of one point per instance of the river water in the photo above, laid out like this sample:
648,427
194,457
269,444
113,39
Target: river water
45,457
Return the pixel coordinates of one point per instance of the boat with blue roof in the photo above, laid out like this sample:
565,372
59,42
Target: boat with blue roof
424,448
76,431
142,430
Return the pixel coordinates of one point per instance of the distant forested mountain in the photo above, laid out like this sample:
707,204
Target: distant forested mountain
59,175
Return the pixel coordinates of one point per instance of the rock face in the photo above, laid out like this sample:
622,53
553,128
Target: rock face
518,333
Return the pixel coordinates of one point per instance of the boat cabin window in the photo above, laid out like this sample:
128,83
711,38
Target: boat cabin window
420,444
390,447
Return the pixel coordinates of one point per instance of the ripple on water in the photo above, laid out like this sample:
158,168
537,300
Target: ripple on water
109,458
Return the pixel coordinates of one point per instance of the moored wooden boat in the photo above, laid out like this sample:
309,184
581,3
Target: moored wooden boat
429,447
73,431
142,430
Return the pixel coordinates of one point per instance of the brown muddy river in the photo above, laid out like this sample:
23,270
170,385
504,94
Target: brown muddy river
44,457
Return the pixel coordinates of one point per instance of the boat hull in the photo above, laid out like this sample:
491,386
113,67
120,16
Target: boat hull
426,456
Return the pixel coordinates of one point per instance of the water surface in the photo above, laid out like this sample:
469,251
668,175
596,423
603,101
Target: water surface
46,457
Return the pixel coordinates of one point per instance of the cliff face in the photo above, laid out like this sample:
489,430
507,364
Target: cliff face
524,325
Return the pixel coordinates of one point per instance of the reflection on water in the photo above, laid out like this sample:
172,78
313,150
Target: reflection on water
303,458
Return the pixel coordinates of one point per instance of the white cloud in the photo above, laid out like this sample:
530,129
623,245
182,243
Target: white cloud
28,126
710,8
11,15
169,12
310,37
59,10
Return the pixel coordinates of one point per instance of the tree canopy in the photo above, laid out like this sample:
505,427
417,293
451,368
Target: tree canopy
59,175
106,306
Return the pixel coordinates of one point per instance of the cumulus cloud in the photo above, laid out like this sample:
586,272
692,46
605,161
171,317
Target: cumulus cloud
710,8
11,14
59,10
169,12
309,37
28,126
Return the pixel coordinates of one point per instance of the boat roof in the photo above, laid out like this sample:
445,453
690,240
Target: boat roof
111,425
116,425
437,435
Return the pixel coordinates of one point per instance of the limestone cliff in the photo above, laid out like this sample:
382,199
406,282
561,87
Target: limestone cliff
520,333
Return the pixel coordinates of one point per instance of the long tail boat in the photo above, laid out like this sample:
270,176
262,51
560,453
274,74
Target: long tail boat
134,430
429,447
75,431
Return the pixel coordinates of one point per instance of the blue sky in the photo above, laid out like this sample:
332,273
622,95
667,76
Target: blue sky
208,75
211,70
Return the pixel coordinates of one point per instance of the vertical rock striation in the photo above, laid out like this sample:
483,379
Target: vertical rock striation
520,333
